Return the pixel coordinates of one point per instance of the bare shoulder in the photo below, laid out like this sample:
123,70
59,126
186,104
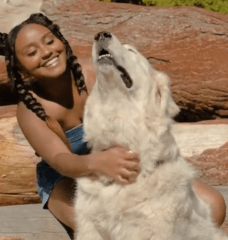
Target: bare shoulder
26,118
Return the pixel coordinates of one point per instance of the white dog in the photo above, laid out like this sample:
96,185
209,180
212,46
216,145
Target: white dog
131,106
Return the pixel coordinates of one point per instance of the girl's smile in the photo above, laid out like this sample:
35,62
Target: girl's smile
51,63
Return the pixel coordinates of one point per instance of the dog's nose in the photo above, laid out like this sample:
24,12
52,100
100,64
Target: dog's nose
102,36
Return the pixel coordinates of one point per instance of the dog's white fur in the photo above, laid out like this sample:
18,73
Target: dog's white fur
161,204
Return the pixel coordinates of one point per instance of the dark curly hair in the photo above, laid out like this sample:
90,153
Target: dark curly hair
7,49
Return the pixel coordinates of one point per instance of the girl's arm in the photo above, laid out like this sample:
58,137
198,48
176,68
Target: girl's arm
118,163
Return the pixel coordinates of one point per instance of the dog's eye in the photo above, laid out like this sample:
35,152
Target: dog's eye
131,51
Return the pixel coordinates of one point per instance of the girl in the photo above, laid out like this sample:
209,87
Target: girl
51,93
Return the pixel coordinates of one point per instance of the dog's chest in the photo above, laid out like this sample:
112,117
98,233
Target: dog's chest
113,122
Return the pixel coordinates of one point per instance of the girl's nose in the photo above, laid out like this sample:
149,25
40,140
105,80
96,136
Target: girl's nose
45,52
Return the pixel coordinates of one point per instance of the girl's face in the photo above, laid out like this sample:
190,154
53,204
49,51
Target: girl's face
40,54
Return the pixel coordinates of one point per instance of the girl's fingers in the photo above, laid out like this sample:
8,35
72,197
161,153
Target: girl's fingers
122,181
128,174
129,155
132,166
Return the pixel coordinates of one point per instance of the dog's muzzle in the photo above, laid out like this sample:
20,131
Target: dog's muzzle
105,56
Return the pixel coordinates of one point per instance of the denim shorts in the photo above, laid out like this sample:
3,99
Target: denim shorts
47,177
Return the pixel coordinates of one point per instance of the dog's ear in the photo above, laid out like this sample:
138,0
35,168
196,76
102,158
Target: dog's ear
160,101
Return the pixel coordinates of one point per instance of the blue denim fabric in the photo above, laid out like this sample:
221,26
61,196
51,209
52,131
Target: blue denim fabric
47,177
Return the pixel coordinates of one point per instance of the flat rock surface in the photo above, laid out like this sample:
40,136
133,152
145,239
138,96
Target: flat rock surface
205,145
194,138
31,222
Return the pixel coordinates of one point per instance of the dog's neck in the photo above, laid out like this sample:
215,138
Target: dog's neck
109,89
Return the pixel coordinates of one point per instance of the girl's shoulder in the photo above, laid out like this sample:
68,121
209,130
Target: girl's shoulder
67,116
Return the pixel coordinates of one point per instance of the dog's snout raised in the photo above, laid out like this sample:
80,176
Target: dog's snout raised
102,36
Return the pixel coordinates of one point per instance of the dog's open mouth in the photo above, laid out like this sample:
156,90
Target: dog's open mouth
106,57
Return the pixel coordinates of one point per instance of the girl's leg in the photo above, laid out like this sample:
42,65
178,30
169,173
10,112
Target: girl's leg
214,198
69,230
61,204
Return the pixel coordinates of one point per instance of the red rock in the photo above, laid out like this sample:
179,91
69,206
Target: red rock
17,164
8,111
212,165
188,43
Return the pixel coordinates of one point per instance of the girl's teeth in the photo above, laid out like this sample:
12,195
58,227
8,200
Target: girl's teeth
51,61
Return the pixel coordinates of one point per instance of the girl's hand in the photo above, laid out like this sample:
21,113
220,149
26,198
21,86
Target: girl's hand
117,163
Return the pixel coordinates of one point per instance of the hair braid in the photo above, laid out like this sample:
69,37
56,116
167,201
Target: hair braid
30,102
3,43
22,93
71,60
77,72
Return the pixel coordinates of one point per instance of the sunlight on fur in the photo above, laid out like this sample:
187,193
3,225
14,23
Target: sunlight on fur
131,106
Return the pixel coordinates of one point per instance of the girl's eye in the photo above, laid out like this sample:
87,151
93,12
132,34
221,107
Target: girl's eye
50,42
33,53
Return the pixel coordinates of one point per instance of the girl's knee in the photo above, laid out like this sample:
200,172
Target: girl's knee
218,206
214,198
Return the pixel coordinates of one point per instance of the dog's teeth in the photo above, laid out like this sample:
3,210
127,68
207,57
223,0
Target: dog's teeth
105,55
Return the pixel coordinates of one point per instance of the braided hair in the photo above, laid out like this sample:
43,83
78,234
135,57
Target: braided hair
7,49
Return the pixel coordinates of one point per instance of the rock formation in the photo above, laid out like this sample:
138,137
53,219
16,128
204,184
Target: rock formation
188,43
17,162
205,145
